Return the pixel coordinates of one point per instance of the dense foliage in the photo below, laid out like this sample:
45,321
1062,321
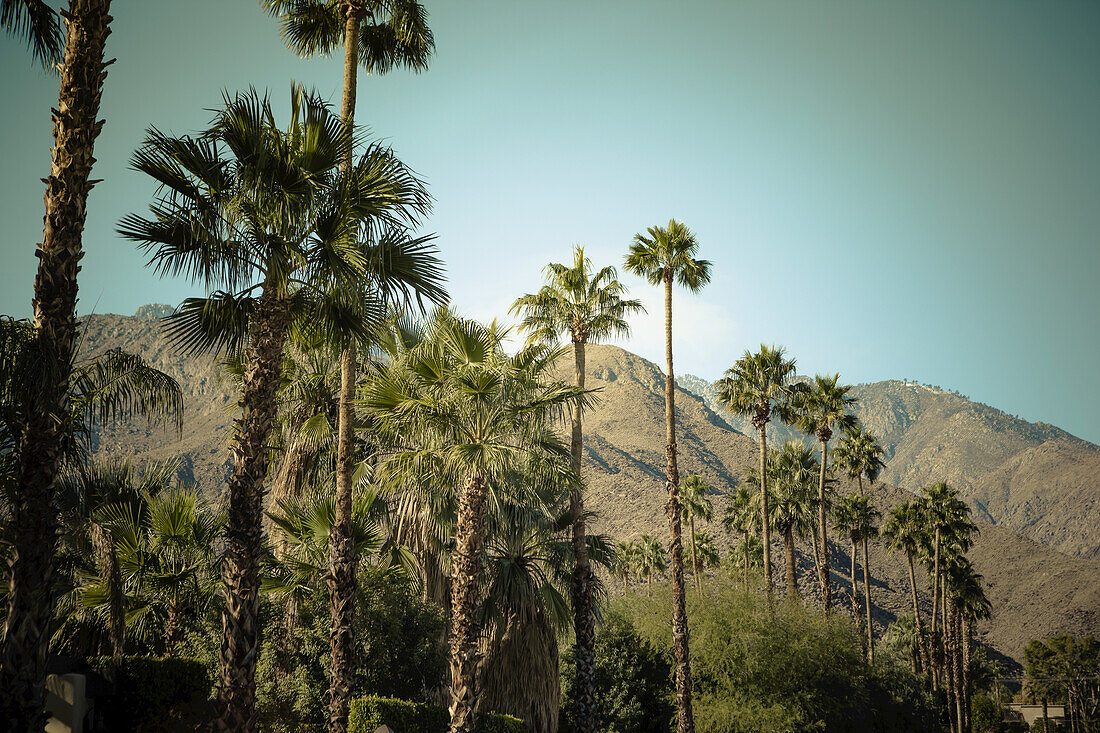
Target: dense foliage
795,670
150,692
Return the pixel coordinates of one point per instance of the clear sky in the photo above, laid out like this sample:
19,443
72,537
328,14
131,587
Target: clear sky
889,189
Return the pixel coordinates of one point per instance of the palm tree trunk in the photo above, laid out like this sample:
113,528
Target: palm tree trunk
769,588
583,618
107,559
746,562
685,721
244,530
341,575
867,602
171,629
469,534
916,614
694,557
965,640
34,523
855,584
788,549
823,564
935,577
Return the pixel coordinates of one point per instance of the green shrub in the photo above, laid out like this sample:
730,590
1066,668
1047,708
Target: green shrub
367,713
633,682
794,670
150,691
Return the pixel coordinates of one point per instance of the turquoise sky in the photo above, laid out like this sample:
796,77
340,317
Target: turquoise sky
890,189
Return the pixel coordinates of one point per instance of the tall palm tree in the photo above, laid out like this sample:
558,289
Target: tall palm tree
904,530
471,415
263,213
395,34
859,454
587,305
857,517
664,255
709,557
793,472
26,635
758,385
823,410
627,560
743,515
695,504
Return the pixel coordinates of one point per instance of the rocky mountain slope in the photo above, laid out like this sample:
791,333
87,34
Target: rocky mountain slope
1035,590
1032,478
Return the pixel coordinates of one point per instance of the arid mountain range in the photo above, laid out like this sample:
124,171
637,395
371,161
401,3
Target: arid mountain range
1037,588
1032,478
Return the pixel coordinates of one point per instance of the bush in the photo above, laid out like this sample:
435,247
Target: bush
399,652
633,682
149,691
794,670
367,713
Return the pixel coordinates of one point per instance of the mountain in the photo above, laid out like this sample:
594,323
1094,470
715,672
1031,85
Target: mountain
1035,590
1032,478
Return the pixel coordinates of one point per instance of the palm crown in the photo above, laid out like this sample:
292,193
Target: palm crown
758,383
859,454
823,407
668,253
36,23
585,304
393,33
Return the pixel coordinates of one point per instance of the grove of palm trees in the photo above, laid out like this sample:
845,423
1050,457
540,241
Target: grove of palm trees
409,523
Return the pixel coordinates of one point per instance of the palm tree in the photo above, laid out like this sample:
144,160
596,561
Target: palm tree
758,385
904,530
859,454
627,560
461,406
792,472
395,34
253,208
75,128
709,557
855,516
589,307
661,256
822,410
743,515
651,560
695,504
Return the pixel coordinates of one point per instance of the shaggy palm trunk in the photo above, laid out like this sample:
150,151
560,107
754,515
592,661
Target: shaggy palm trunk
823,561
107,559
287,485
583,619
746,562
1046,718
34,522
244,529
792,573
694,556
172,628
341,573
855,585
466,563
518,672
867,602
760,422
923,647
966,639
685,721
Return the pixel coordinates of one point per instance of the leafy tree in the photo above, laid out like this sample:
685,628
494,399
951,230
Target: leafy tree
758,385
632,680
822,410
25,641
693,494
395,34
589,306
663,255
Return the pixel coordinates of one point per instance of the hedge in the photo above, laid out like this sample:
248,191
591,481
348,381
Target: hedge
367,713
148,691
